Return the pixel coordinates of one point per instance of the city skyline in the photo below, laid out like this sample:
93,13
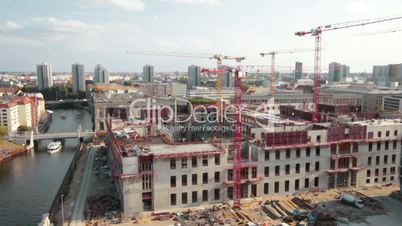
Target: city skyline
77,32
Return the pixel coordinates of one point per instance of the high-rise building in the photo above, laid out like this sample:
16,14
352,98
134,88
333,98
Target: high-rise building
298,70
148,73
78,80
194,76
338,72
44,73
101,75
227,77
387,75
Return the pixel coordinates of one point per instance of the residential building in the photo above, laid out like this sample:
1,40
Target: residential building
164,90
337,72
392,103
25,112
388,75
39,105
194,77
298,70
101,75
78,79
227,77
148,74
211,93
9,115
44,76
372,95
7,91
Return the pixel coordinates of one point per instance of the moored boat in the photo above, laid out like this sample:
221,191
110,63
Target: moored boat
54,146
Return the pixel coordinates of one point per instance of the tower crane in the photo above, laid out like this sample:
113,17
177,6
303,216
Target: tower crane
273,56
237,134
389,30
218,57
317,33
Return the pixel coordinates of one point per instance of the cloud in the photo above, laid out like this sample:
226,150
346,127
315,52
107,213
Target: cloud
10,25
18,41
54,25
192,2
129,5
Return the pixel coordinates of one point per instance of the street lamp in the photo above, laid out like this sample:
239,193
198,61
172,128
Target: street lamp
62,210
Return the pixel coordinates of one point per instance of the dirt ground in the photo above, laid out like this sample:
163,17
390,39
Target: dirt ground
390,215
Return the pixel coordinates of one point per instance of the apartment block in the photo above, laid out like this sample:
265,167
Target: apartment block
21,111
287,157
9,116
164,89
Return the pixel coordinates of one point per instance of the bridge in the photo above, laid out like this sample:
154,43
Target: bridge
55,135
67,101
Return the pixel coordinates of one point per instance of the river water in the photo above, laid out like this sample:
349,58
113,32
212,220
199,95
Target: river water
29,182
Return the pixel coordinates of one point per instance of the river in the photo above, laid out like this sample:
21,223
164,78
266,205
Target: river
29,182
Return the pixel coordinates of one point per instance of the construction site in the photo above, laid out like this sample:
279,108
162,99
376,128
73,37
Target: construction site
192,162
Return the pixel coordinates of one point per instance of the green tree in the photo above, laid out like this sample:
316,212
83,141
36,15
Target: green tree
3,131
23,128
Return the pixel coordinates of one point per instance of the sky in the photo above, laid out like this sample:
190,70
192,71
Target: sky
62,32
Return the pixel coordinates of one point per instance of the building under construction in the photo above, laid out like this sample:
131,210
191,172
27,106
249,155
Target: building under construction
281,154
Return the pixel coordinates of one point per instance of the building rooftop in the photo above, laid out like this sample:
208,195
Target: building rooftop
380,122
183,150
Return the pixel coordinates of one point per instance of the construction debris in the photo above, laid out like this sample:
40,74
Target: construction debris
105,205
304,209
294,210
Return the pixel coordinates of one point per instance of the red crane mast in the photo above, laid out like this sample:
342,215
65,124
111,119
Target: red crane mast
237,134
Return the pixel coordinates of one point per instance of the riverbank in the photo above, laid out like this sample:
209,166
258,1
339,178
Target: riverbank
44,124
9,149
30,181
67,186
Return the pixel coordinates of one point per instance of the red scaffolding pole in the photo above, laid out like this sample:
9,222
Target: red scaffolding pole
237,142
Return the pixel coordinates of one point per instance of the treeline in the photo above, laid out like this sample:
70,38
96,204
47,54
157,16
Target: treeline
56,92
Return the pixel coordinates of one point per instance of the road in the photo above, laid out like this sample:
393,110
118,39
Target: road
77,216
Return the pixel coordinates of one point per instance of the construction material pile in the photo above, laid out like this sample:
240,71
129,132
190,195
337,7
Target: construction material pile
99,206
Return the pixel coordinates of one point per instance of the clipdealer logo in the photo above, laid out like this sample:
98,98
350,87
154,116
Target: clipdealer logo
201,113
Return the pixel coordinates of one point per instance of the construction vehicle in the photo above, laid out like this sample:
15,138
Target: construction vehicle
317,33
351,200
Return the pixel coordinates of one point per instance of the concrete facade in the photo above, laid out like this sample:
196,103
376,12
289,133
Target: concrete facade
101,75
44,76
298,70
159,176
392,103
148,74
78,79
194,76
9,117
337,72
388,75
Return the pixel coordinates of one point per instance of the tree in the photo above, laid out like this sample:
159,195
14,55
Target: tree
3,131
127,83
23,128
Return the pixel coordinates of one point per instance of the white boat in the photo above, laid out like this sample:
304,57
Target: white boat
53,147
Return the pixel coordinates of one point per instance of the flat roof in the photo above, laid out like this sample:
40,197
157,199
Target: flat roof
160,149
382,122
